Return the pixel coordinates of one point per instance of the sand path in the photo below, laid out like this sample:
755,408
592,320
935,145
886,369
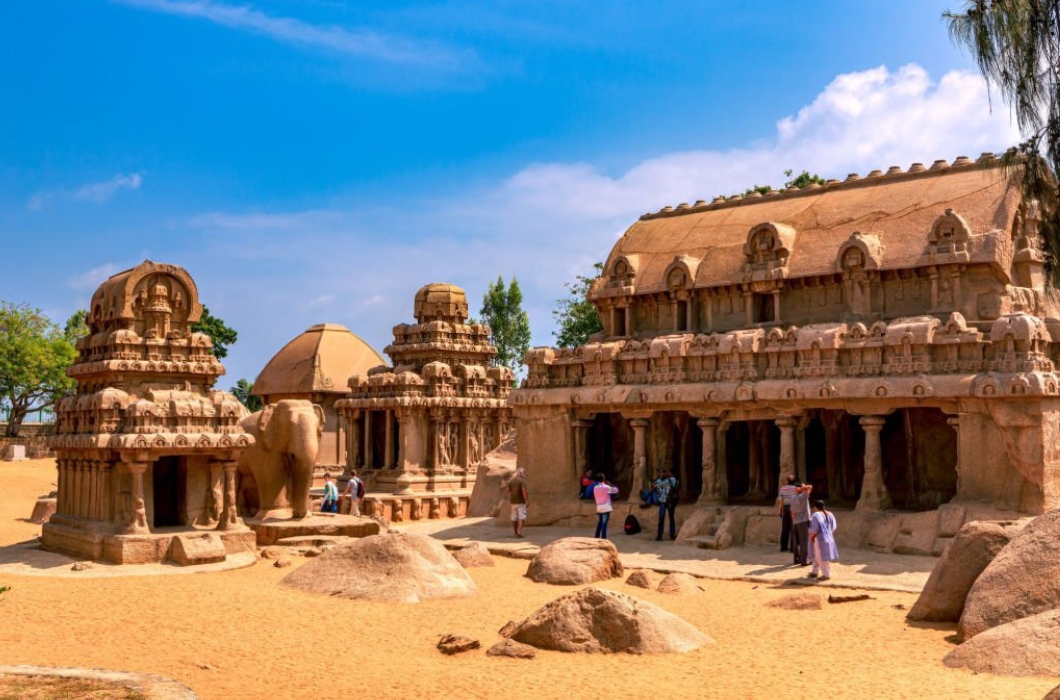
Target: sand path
239,634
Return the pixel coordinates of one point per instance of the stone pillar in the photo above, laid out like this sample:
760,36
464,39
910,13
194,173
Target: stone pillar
353,454
60,485
640,457
83,476
581,445
107,485
710,493
800,449
874,494
217,490
787,448
388,459
776,306
955,423
367,439
137,524
93,491
230,519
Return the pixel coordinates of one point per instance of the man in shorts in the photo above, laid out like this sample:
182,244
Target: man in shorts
518,500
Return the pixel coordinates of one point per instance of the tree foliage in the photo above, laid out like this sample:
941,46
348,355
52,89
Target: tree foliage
1017,46
34,356
502,310
803,179
221,335
242,391
575,316
76,326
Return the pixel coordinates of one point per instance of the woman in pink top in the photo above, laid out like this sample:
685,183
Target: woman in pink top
602,494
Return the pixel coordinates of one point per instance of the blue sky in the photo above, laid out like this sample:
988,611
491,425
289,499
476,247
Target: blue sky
318,161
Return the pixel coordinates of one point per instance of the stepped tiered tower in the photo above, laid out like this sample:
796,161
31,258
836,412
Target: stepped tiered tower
417,430
147,449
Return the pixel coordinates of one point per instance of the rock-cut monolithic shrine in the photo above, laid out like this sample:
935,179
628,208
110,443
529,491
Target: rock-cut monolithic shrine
888,338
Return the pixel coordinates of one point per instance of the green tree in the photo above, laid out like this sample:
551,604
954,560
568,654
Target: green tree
76,326
502,310
575,316
242,391
803,179
1017,46
221,335
34,356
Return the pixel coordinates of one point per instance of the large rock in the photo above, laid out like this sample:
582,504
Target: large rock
974,547
592,620
575,560
1026,647
474,554
198,548
797,601
490,493
43,509
1022,580
678,583
1053,694
404,568
641,578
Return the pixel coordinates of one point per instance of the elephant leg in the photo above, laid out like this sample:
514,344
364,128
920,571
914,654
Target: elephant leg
301,479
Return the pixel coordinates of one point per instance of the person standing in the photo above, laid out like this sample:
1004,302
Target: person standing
665,488
602,493
800,523
784,511
822,541
518,499
331,496
355,490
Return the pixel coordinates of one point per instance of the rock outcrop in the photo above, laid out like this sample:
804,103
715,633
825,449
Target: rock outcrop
1022,580
641,578
974,547
593,620
679,583
575,560
474,554
490,494
404,568
1026,647
797,601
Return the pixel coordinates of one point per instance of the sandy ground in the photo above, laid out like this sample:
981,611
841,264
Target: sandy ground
239,634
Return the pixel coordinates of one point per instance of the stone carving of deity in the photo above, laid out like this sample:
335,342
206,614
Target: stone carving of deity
444,454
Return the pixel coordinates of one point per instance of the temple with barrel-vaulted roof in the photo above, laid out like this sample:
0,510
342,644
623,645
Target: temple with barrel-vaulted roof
888,338
315,366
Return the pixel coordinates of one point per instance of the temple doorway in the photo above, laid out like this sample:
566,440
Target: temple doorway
610,450
752,460
168,480
919,458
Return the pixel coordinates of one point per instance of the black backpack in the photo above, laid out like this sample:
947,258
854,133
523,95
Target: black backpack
632,526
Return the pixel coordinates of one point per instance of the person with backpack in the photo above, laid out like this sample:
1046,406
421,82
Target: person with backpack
331,496
355,490
665,490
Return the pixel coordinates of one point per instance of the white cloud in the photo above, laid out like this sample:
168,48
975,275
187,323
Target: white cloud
358,42
88,281
322,300
92,192
548,222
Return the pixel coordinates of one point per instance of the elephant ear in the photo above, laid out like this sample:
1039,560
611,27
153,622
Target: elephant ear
317,409
263,424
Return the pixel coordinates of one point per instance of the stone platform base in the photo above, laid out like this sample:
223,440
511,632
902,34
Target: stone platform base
399,508
925,533
84,539
269,531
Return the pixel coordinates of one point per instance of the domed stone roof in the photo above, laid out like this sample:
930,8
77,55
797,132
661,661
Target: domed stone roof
319,360
441,302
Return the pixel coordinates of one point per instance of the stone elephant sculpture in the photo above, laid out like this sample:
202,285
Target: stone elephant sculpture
286,441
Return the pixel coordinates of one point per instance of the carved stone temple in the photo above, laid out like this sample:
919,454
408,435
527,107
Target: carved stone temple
416,431
147,449
888,338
